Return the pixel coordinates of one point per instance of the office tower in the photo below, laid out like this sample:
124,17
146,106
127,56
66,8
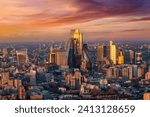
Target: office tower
4,52
52,56
121,58
138,58
75,49
132,56
65,45
86,57
146,96
77,36
61,58
127,57
113,52
22,57
101,53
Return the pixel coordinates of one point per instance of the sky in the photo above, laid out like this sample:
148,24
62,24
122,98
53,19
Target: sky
46,20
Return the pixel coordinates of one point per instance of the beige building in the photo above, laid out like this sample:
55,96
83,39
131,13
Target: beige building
61,58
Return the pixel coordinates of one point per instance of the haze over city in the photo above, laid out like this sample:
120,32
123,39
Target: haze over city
44,20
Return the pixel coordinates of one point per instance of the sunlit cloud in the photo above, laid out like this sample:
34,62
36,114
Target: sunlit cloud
49,19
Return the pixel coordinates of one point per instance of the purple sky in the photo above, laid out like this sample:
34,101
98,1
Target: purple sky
22,20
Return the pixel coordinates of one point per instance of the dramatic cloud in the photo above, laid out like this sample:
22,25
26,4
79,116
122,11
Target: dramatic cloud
21,17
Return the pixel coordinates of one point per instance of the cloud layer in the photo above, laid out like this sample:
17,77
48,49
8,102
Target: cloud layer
21,17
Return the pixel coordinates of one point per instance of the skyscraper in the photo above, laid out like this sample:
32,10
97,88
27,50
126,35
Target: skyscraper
75,49
121,58
77,36
101,53
52,56
113,52
132,56
86,57
61,58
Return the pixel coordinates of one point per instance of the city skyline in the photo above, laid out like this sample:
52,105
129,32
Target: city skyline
52,20
75,69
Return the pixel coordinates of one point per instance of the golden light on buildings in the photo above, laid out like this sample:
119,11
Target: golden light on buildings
121,58
113,52
78,38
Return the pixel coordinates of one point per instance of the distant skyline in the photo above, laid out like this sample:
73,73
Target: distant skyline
46,20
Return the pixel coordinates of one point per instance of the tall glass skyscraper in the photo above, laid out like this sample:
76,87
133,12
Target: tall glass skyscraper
75,49
86,57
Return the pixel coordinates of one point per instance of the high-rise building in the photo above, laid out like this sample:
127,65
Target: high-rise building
113,52
75,49
61,58
77,36
138,58
127,58
101,53
121,58
52,56
132,56
86,57
22,57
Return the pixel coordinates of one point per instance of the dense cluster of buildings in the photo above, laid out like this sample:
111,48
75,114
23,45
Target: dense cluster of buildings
75,70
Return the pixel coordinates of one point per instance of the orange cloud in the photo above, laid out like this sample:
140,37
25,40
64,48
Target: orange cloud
49,18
